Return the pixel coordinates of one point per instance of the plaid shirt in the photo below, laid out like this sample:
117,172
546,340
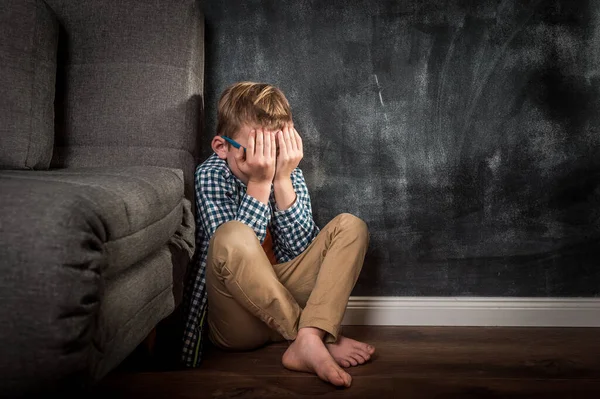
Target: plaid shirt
221,197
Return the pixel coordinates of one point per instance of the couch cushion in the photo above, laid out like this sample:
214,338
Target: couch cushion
63,235
28,48
130,87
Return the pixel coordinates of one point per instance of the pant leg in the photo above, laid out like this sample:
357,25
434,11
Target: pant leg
323,276
247,305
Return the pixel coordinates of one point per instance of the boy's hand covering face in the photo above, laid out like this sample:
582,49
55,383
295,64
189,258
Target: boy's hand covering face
290,151
258,161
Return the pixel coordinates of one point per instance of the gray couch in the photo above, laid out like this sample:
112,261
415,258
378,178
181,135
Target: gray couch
100,113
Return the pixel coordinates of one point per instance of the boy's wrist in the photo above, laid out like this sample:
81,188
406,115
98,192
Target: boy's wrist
285,195
280,180
264,183
261,190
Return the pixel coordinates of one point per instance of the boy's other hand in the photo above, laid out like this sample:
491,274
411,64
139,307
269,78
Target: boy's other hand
290,151
258,161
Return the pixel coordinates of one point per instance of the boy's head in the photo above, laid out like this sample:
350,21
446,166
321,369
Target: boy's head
245,106
252,104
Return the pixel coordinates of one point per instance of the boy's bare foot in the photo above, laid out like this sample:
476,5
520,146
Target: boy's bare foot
349,352
309,354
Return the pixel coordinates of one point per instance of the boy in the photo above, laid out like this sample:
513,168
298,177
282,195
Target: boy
268,272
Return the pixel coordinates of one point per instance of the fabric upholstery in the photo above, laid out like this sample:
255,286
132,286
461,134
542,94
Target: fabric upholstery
147,289
130,83
29,32
66,237
140,207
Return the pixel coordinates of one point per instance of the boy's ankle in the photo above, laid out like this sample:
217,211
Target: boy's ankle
304,331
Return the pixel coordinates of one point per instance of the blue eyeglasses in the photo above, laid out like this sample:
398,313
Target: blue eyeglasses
233,143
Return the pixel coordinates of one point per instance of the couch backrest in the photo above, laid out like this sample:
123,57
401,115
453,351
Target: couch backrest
28,43
129,83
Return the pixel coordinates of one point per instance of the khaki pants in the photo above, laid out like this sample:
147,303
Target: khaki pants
252,302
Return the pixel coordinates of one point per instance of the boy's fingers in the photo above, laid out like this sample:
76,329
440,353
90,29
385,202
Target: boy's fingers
282,147
267,144
286,142
274,146
290,143
251,142
299,141
293,137
286,128
260,142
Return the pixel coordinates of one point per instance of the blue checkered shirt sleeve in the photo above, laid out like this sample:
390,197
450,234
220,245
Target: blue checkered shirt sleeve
294,229
216,205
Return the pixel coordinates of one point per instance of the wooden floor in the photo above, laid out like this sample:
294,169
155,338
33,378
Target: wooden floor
411,362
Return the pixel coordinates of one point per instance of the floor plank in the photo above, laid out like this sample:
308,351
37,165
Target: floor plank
419,362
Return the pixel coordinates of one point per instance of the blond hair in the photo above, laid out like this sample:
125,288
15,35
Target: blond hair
252,103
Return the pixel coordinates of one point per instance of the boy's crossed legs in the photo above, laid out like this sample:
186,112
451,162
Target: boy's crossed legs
252,302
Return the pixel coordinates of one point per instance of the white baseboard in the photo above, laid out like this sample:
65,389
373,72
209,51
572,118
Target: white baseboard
473,311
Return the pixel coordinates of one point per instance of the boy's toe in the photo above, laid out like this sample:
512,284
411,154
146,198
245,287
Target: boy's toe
361,358
363,352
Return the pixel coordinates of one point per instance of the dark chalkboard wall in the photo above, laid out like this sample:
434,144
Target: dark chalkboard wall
464,132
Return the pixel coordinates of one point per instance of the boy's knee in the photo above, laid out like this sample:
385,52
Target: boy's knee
234,235
350,222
